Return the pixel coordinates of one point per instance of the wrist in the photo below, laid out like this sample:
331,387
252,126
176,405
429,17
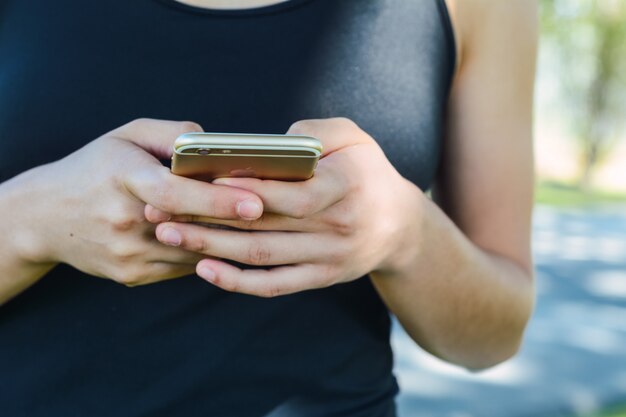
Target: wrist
22,200
406,241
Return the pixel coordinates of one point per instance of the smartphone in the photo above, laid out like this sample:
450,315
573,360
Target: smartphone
207,156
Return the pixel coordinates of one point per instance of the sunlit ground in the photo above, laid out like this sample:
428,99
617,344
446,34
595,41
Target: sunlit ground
573,362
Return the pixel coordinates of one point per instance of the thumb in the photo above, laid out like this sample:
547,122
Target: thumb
334,133
155,136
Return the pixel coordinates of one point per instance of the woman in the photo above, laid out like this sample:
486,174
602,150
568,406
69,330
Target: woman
419,110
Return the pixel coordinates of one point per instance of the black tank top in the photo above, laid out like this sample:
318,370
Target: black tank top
71,70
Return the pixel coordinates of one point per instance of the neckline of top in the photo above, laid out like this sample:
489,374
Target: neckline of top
260,10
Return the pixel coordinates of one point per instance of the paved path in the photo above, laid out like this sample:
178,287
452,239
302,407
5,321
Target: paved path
574,358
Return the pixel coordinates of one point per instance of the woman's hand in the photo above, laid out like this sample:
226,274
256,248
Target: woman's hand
346,221
87,209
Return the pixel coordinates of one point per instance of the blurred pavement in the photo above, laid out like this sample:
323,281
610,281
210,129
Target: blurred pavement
573,361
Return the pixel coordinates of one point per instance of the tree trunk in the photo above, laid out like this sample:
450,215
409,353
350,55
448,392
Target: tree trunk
595,133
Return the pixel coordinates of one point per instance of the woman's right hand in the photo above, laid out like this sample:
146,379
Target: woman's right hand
87,209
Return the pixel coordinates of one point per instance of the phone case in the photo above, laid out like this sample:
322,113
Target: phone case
206,156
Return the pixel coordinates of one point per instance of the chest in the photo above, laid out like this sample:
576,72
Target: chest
71,71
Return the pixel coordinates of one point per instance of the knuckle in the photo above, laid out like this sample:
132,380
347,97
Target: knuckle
124,222
157,185
301,127
129,282
141,121
340,253
328,275
130,277
123,252
343,221
136,124
133,280
304,207
231,285
258,254
137,178
140,275
131,126
344,122
197,244
188,126
222,207
271,291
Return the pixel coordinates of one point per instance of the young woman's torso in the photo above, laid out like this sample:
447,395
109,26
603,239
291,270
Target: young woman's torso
70,71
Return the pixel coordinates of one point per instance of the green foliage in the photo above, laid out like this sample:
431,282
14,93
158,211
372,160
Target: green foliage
584,43
567,195
612,412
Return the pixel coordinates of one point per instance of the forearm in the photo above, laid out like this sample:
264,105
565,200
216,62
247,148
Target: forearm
18,267
457,301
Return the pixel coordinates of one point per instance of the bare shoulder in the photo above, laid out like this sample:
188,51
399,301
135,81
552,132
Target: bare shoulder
476,21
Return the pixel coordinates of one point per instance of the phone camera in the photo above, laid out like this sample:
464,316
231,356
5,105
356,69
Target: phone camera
203,151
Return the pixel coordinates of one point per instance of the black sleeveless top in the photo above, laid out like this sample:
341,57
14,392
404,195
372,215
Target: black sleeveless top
71,70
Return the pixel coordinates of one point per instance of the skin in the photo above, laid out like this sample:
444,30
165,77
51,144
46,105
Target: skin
230,4
98,195
457,272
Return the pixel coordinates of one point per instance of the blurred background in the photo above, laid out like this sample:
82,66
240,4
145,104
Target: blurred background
573,362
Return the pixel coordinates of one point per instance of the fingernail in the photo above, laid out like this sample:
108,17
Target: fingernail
157,215
207,273
221,181
163,217
249,210
170,237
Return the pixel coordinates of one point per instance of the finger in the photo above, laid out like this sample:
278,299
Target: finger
258,248
300,199
155,136
172,255
264,283
156,216
267,222
174,194
334,133
153,272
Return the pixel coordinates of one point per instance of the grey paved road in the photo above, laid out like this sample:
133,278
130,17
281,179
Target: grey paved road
573,361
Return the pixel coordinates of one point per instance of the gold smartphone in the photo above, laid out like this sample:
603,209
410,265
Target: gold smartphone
207,156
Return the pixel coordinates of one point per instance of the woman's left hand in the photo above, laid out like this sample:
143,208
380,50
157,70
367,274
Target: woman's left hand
355,216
